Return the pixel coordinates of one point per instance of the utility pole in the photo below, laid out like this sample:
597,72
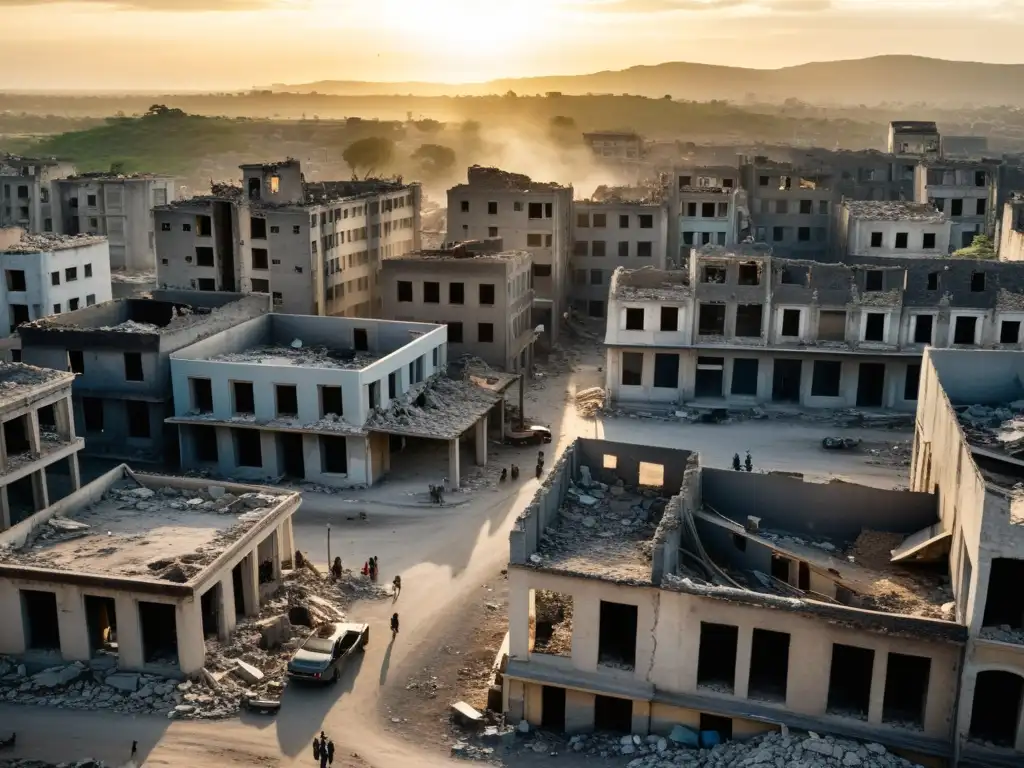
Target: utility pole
329,561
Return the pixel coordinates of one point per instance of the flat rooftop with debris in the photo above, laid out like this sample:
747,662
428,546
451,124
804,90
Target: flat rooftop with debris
162,530
894,210
18,381
299,357
649,284
47,243
439,408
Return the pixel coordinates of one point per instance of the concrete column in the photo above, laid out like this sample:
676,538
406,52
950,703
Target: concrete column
5,510
641,717
501,419
287,543
3,449
742,673
534,704
454,478
12,630
188,616
276,540
579,711
226,612
519,604
251,583
72,626
33,430
515,692
40,495
76,475
480,441
129,632
877,697
268,447
65,419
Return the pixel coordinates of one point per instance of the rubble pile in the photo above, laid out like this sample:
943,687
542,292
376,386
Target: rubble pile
590,402
846,418
298,355
898,454
439,408
1001,428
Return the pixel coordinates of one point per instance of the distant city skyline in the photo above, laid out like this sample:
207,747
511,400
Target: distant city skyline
236,44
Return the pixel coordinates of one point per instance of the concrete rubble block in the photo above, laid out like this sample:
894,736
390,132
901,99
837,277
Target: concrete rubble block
274,631
123,681
247,672
585,478
65,525
680,734
58,677
141,493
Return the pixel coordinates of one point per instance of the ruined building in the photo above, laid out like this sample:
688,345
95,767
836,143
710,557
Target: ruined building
651,595
742,326
615,145
710,208
478,289
965,191
914,138
897,229
315,247
1011,231
528,216
25,191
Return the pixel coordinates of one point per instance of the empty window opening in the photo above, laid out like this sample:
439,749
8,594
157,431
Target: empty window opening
291,455
744,376
912,382
831,325
793,275
159,631
92,414
933,281
205,441
871,385
874,326
18,315
786,381
876,239
634,319
874,280
780,568
666,370
204,256
923,329
928,240
392,385
432,292
612,714
209,609
552,708
455,333
769,665
287,399
651,475
487,294
996,710
133,366
963,330
716,660
137,412
76,361
16,435
39,613
456,293
826,378
1009,332
713,274
244,400
202,395
552,626
248,450
48,416
360,340
101,625
258,228
610,461
716,724
373,394
791,323
616,644
670,318
334,455
957,207
785,182
977,282
902,238
1004,603
906,689
711,320
849,681
15,280
749,274
259,258
748,320
709,377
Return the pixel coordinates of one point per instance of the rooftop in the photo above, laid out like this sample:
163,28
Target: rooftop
148,528
650,284
438,408
495,178
47,243
740,250
299,356
928,126
468,251
894,210
18,380
649,194
107,176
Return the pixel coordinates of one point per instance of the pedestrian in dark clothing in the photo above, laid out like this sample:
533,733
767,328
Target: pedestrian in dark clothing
316,749
373,568
394,625
330,752
323,750
135,749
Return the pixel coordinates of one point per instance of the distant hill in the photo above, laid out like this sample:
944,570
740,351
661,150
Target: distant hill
876,80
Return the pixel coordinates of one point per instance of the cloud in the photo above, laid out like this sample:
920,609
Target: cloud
670,6
191,6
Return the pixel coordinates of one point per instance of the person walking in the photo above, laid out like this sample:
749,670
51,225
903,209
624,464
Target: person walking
330,752
316,749
135,749
373,568
323,750
394,625
396,586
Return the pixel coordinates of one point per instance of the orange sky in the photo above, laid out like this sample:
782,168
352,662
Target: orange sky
231,44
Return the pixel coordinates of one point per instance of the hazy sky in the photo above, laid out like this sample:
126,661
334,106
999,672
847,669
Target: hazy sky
230,44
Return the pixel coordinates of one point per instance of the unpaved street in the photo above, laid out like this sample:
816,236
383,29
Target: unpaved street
444,557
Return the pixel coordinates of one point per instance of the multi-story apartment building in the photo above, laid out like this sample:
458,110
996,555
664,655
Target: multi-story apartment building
527,215
316,247
914,138
896,229
613,232
25,191
709,207
48,274
1011,230
791,207
743,327
117,207
615,145
965,191
479,290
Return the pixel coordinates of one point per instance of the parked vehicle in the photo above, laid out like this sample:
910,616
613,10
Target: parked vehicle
324,654
840,443
532,435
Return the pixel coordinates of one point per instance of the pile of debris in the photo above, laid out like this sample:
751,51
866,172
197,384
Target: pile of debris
590,402
898,454
1001,428
439,408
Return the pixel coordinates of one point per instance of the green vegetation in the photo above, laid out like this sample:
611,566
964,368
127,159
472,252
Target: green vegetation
981,247
373,155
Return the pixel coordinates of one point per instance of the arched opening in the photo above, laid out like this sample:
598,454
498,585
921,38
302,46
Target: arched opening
996,708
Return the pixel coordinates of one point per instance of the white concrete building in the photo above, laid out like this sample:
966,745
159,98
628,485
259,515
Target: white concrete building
1011,231
913,138
50,274
894,229
316,398
615,145
965,191
710,208
38,446
117,207
527,215
25,192
143,588
316,247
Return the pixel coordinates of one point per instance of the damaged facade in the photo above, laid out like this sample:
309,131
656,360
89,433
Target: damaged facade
47,274
710,208
897,228
1011,230
478,289
649,594
614,232
528,216
914,138
965,191
120,352
315,247
131,572
742,327
25,191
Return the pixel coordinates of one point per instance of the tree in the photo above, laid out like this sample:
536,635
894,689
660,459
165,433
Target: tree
563,131
434,159
981,247
372,154
428,125
162,110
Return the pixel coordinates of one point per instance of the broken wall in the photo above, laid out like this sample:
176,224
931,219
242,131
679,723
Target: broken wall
628,457
839,510
668,536
542,511
1001,380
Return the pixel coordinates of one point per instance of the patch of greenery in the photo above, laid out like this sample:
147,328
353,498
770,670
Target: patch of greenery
981,247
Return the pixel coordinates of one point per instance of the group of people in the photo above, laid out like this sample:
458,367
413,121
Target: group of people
323,750
370,568
748,463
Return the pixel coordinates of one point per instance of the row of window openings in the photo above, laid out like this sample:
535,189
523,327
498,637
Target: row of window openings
16,282
903,240
136,415
599,248
706,210
133,370
874,279
248,450
534,210
803,207
73,304
704,181
600,220
956,206
783,234
484,333
787,183
456,293
703,238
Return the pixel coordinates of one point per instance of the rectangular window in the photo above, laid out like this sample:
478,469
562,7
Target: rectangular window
202,395
826,378
977,282
90,299
644,249
632,369
70,274
963,330
876,239
533,210
928,240
432,293
580,248
666,370
596,277
487,294
902,239
259,258
208,284
287,399
623,221
260,286
55,278
707,210
634,319
874,280
133,366
623,249
204,256
910,384
981,206
492,208
956,207
404,290
456,293
72,304
138,418
257,228
803,234
455,333
600,220
670,318
806,206
582,220
923,329
874,327
598,248
744,376
485,333
646,221
791,323
76,361
244,398
1009,332
92,411
534,240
